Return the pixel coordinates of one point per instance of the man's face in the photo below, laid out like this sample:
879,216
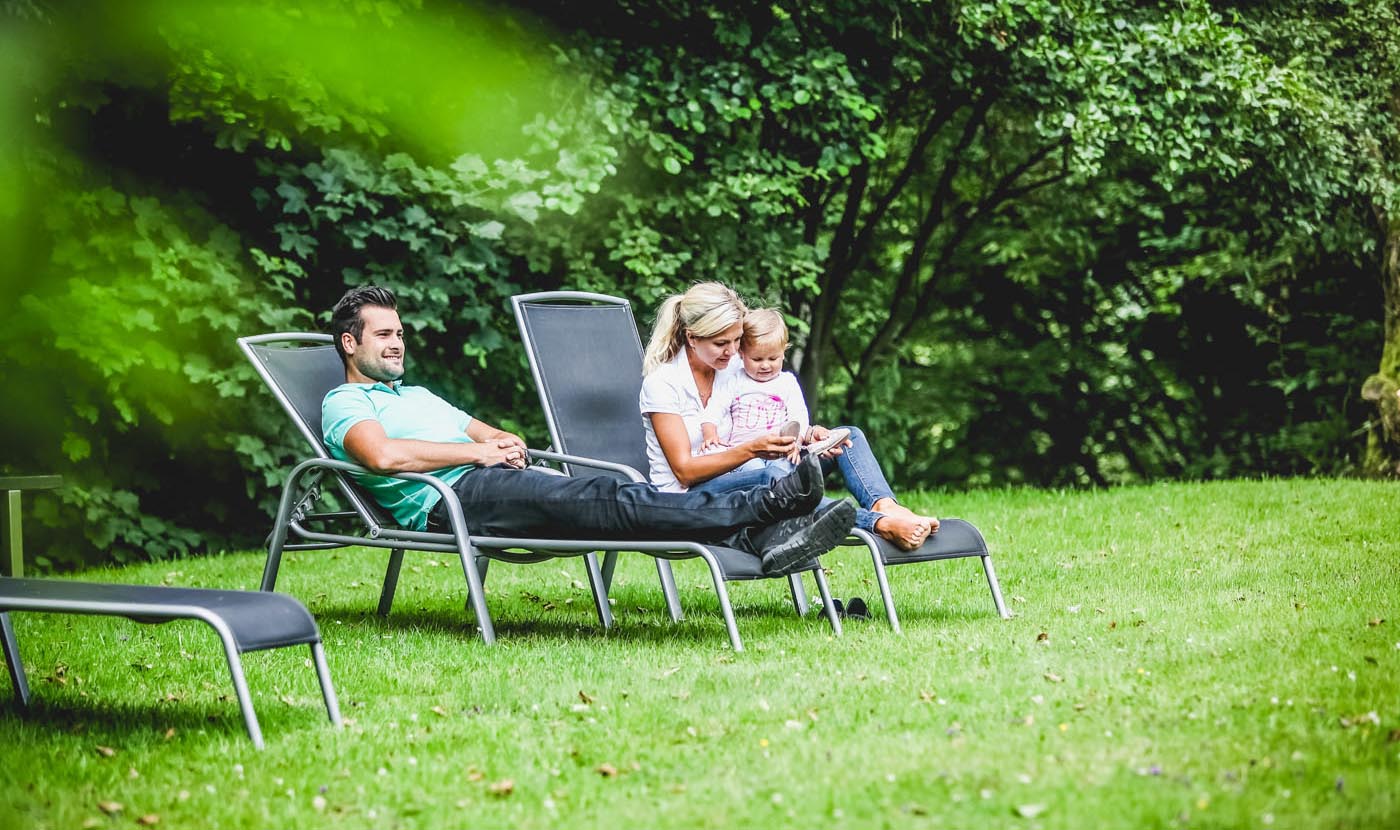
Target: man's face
379,353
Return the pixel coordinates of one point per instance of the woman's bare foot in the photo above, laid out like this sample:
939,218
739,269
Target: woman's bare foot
890,507
904,532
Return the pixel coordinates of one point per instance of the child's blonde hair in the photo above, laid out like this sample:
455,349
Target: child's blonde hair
764,325
705,310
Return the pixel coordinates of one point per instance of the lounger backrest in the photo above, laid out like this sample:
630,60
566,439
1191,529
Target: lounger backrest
299,369
586,357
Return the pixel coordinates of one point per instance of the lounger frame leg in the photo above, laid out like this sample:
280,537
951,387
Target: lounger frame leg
240,684
323,675
819,576
476,596
598,586
669,590
882,579
279,534
391,581
609,565
12,660
726,609
799,594
995,586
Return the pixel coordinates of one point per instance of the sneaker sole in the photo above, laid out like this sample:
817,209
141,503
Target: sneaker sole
826,532
836,437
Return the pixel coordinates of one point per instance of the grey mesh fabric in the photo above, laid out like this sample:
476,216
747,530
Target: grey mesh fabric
588,359
304,375
256,619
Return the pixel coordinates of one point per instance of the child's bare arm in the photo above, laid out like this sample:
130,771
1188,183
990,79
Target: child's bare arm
709,437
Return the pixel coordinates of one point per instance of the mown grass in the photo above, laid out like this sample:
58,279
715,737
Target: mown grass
1184,655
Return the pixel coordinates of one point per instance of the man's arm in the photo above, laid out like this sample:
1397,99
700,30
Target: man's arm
481,431
367,443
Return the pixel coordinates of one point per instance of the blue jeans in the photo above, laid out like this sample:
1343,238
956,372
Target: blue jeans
857,464
756,472
504,501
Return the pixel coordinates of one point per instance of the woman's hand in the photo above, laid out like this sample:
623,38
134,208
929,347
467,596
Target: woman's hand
771,446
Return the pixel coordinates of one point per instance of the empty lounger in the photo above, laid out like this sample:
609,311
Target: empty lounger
244,620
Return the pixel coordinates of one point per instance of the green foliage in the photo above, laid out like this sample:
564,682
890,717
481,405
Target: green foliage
1019,241
1149,178
200,217
131,386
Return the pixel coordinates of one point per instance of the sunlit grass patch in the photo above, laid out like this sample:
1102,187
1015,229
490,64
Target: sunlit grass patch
1220,654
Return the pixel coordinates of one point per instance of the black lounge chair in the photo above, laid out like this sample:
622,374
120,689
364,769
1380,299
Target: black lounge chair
586,356
299,369
244,620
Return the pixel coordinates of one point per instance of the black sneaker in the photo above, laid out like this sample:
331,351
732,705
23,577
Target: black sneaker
799,540
795,494
856,607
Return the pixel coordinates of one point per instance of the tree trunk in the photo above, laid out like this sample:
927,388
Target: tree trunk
1383,388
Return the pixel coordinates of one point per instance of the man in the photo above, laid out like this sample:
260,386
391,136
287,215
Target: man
375,420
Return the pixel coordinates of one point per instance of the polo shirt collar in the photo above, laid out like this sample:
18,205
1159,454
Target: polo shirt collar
393,386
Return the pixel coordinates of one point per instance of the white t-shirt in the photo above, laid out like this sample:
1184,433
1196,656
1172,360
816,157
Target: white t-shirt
749,408
670,389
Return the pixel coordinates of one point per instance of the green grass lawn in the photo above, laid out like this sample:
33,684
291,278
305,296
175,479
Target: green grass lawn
1185,655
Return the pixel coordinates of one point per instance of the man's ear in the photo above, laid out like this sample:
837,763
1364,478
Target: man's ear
348,342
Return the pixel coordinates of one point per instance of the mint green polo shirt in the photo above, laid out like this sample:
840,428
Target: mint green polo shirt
408,412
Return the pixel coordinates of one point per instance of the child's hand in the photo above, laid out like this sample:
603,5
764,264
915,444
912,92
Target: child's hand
711,445
817,434
795,456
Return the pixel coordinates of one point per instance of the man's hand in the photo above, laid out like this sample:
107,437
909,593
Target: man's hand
508,450
502,435
498,446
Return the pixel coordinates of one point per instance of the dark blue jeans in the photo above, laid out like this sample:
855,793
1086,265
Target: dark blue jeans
504,501
857,464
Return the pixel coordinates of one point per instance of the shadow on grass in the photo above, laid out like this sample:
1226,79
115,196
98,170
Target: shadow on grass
129,725
702,625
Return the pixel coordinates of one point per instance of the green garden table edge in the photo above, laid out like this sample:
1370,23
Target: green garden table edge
12,562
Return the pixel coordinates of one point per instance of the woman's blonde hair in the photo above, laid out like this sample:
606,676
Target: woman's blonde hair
705,310
764,325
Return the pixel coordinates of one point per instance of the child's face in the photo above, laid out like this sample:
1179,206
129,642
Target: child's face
763,360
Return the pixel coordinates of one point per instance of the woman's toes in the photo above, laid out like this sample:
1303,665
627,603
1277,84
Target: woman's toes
904,533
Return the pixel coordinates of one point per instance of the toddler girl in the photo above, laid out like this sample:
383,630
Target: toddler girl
756,397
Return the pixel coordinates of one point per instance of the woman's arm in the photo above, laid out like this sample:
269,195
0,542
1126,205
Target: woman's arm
691,470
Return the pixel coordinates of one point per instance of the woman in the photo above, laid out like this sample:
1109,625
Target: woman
696,334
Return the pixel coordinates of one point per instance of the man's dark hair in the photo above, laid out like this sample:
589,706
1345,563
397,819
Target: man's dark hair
346,314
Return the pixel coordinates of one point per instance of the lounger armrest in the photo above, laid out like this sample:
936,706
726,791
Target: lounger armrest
563,458
455,516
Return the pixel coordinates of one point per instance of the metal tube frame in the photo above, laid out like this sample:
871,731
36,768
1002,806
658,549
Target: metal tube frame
159,612
887,597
